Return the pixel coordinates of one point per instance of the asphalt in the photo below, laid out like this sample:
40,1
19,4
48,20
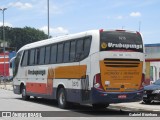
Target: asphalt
133,106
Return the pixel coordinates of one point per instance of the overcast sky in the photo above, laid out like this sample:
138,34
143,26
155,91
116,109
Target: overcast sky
72,16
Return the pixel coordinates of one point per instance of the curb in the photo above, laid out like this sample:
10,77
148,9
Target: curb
130,108
5,88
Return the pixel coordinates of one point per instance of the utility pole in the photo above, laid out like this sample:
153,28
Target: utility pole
139,26
48,16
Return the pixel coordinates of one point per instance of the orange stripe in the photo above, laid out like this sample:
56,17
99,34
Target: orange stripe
67,72
64,72
51,73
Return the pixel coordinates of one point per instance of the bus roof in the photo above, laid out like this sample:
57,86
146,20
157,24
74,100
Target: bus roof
153,45
65,37
55,40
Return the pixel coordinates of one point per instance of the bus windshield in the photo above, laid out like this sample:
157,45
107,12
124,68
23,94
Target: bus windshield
16,62
120,40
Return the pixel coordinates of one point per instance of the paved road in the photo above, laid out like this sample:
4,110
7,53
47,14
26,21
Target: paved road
11,102
137,106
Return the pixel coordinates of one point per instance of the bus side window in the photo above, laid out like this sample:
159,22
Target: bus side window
47,55
36,56
41,55
25,58
60,53
87,44
72,51
10,65
17,61
32,56
53,54
79,49
66,52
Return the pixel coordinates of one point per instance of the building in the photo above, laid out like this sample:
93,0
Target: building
5,58
152,54
4,62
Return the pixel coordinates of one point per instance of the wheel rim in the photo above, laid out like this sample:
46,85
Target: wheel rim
61,98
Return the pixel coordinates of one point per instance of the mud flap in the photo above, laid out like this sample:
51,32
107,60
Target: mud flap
85,93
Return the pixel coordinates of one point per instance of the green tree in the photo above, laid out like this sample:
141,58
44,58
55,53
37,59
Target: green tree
18,37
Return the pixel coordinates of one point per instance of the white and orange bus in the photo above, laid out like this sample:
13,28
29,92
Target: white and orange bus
95,67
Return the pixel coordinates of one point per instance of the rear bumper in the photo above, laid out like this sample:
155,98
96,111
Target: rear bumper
112,97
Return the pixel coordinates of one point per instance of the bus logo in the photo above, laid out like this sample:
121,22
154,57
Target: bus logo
104,45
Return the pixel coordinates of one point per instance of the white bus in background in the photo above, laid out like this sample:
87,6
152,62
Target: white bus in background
95,67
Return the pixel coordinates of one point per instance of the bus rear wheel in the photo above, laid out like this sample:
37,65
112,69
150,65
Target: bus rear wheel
99,106
147,101
62,99
24,96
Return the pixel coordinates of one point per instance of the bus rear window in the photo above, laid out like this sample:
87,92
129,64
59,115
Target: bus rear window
120,40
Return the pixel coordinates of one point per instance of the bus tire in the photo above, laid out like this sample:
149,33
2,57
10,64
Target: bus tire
99,106
24,96
147,101
62,99
35,97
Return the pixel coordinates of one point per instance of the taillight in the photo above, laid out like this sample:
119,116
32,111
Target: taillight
142,82
138,33
97,82
101,30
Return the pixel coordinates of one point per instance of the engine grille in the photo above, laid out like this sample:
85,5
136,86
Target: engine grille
112,62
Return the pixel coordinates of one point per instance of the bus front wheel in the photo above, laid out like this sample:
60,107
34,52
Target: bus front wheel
24,96
62,99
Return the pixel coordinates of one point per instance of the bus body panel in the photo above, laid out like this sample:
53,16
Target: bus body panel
113,82
121,74
121,65
78,78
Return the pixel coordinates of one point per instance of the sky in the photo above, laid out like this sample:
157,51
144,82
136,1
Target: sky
73,16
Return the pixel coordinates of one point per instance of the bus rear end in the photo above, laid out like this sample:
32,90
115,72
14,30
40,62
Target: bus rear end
121,73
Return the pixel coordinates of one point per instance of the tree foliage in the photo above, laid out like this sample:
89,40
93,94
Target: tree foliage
18,37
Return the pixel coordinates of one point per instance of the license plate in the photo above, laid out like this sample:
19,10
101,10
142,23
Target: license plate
122,96
145,96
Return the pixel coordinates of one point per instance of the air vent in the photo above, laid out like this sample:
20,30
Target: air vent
121,62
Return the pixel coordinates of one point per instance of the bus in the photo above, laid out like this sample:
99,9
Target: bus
96,67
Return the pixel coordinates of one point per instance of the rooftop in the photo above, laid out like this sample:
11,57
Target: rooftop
153,45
